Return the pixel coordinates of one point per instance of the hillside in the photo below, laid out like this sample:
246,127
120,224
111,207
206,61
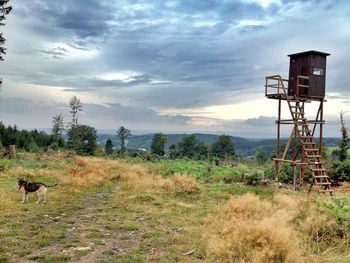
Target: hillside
242,146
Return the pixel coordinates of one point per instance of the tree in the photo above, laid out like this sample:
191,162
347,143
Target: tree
187,146
75,106
158,143
57,125
123,135
83,139
109,147
223,147
262,157
343,144
190,147
4,11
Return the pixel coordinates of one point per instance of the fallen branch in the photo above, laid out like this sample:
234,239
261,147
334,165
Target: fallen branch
189,252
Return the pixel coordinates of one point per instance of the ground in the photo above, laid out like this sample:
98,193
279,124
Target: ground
116,211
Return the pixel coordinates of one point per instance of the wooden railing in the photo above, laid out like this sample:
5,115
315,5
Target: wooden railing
276,85
301,84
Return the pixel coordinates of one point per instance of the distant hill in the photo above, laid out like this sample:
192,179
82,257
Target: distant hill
242,146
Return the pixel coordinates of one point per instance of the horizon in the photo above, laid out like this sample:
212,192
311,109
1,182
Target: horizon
183,67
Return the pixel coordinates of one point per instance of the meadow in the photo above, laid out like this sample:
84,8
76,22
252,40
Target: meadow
128,210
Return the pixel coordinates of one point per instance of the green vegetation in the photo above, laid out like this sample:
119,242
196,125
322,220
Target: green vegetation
343,144
109,147
158,144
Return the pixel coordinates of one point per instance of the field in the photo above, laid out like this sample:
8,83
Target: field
126,210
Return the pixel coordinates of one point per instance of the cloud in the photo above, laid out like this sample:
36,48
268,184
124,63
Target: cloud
159,56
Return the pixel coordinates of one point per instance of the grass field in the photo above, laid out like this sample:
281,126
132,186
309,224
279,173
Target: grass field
119,211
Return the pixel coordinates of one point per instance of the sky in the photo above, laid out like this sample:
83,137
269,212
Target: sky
168,66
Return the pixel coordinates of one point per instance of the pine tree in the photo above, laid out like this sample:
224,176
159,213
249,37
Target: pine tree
109,147
343,144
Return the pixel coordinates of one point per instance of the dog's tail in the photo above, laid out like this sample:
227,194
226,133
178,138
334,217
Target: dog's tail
51,185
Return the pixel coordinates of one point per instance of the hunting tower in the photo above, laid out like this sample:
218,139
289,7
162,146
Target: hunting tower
306,84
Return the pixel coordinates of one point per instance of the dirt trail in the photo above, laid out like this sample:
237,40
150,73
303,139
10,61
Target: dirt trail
92,236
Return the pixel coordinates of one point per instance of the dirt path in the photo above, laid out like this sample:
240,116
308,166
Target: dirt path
93,234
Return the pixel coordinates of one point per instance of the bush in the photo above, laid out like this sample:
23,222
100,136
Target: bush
342,171
253,178
5,165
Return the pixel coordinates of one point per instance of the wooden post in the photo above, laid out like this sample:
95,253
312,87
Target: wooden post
321,127
295,157
278,146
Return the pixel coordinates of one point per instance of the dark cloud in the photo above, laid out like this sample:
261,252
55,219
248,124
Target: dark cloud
178,54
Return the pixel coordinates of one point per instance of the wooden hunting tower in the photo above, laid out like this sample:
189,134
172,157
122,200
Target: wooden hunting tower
307,74
306,84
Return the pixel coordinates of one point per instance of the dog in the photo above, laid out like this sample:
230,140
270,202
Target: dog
27,187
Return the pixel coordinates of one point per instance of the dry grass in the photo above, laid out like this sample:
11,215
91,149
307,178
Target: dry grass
248,229
7,202
283,227
179,183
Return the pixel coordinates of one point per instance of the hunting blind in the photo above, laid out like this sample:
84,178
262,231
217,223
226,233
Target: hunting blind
306,84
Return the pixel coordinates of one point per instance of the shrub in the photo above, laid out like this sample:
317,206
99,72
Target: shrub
5,165
253,178
180,184
342,171
248,229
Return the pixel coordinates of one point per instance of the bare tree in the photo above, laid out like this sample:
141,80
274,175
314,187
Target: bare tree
75,106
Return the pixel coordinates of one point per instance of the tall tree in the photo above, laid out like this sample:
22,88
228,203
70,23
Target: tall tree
75,106
57,125
343,144
4,11
223,147
158,144
123,135
109,147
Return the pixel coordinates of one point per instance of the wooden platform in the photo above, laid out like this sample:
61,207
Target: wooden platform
280,96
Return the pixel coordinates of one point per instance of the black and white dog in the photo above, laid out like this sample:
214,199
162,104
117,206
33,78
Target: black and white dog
27,187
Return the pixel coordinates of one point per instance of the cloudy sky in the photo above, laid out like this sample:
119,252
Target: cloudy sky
171,66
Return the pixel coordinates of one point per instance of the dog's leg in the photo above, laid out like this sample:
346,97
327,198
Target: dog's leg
24,197
44,195
41,194
39,197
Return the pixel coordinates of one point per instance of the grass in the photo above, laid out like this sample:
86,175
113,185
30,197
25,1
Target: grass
141,212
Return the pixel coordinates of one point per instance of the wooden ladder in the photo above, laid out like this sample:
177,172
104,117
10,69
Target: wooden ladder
311,153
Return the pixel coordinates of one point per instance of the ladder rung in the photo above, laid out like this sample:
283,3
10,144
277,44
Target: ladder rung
318,169
321,176
311,150
324,183
316,163
326,190
308,143
313,156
